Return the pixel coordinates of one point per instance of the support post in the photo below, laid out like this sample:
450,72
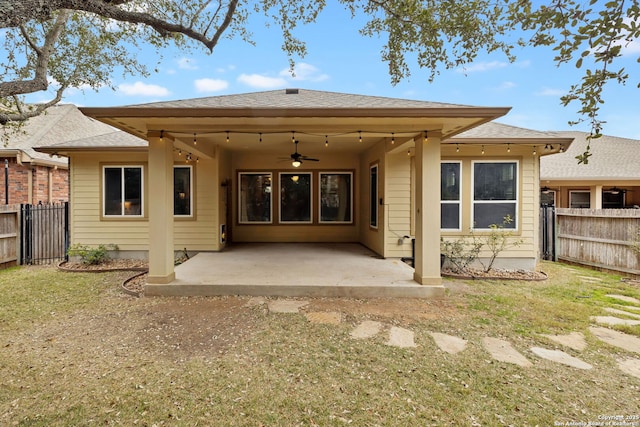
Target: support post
427,252
161,258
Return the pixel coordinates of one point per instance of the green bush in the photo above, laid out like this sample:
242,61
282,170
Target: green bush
91,256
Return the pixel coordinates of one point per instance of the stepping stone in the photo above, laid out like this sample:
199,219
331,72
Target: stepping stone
502,351
610,320
626,313
617,339
324,317
401,337
630,366
449,343
560,357
624,298
574,340
286,306
366,329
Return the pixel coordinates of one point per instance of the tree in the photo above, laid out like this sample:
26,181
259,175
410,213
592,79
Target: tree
80,43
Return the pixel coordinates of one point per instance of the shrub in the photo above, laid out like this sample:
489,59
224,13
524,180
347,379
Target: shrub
91,256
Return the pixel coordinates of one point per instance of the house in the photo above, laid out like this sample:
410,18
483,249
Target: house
611,178
299,165
33,177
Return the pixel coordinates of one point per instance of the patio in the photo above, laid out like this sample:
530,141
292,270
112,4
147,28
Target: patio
294,270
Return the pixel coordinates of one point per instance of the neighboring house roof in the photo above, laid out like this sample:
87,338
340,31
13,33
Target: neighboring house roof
57,124
115,140
612,158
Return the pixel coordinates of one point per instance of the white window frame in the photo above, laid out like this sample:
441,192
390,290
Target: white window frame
459,201
191,195
311,192
515,202
350,196
122,183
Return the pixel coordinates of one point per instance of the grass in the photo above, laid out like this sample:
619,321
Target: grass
75,351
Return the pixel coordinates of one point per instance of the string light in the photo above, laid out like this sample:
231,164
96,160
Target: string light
227,136
326,140
426,135
293,136
260,137
393,138
195,141
179,152
535,151
359,136
508,148
562,148
457,148
482,152
161,136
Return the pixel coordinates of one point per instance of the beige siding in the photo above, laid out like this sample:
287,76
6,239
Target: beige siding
199,233
398,205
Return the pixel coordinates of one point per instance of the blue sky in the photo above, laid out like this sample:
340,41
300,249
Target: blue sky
341,60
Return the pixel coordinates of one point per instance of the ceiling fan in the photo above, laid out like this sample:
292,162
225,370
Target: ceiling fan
297,158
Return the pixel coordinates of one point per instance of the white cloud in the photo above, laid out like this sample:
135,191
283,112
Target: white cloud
263,82
481,67
551,92
187,64
210,85
506,86
139,88
304,72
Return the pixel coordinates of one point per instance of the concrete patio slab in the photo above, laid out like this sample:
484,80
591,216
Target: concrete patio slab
295,270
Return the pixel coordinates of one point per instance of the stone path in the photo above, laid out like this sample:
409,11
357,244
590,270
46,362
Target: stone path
499,349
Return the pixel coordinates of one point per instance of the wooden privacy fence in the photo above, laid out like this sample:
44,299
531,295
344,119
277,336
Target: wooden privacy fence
9,237
601,238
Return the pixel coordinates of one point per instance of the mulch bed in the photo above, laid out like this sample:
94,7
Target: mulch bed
133,286
496,274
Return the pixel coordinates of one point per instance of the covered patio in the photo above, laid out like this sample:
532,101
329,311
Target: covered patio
294,270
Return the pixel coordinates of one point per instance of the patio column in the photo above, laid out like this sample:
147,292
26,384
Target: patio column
427,253
160,200
596,197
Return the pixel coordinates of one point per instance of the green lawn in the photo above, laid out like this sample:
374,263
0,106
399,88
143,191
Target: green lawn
75,351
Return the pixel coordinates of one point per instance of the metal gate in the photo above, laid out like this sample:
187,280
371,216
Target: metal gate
548,232
45,233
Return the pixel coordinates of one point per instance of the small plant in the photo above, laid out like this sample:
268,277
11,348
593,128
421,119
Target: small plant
498,240
461,252
91,256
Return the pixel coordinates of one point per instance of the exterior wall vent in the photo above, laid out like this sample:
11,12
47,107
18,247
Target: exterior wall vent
291,91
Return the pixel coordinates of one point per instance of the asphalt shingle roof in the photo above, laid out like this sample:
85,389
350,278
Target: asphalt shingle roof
494,130
57,124
295,98
612,157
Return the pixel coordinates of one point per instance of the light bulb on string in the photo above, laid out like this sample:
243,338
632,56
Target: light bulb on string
195,141
227,136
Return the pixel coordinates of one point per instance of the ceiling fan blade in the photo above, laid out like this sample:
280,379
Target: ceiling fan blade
310,159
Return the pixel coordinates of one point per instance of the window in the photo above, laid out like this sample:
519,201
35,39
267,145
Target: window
122,191
182,191
373,196
450,196
579,199
613,199
495,194
254,197
547,197
336,194
295,197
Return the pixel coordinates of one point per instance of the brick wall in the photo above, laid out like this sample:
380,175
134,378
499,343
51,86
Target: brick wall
19,183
